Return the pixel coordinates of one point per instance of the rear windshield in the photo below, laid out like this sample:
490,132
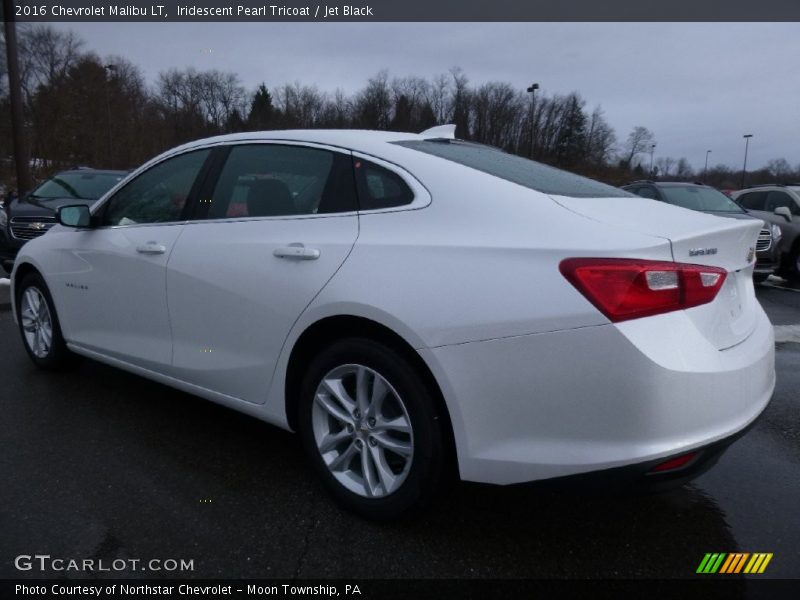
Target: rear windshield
700,198
516,169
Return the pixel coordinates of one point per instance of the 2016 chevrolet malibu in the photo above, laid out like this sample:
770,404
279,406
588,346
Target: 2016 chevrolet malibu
411,303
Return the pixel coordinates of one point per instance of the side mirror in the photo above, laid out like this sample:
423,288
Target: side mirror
77,215
783,211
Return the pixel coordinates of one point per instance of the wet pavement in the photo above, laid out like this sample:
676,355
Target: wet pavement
98,463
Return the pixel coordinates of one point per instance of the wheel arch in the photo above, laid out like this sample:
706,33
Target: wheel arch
20,272
324,332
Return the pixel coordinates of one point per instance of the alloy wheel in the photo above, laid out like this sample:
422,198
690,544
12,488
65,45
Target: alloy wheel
362,430
37,323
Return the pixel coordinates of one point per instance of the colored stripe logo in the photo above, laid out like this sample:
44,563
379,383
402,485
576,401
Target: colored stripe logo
734,562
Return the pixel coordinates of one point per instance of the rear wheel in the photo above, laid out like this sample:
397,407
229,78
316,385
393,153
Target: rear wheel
370,427
38,323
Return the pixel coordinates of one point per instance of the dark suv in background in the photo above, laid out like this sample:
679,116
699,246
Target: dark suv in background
31,216
707,199
780,205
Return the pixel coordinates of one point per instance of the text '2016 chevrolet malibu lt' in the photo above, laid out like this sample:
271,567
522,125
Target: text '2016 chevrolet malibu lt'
411,304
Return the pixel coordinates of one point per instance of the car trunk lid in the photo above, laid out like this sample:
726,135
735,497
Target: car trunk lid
699,239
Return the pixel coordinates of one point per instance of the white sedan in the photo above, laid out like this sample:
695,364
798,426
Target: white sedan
414,306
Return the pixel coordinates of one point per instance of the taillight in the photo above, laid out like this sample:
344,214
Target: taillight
674,463
624,288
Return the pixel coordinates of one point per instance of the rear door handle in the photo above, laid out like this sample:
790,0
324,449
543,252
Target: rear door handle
297,251
151,248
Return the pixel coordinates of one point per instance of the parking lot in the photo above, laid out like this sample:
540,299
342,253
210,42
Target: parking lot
97,463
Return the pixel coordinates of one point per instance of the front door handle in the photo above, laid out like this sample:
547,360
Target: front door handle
151,248
297,251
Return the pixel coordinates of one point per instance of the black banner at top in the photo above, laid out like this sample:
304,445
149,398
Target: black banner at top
405,10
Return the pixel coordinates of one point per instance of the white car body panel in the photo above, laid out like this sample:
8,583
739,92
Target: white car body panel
537,382
128,318
232,311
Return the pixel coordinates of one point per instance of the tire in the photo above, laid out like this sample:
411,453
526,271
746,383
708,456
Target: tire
760,277
34,324
793,271
406,469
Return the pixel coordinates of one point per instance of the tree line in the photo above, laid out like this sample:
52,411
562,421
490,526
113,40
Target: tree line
84,110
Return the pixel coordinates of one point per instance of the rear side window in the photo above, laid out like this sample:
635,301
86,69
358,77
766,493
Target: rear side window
752,200
527,173
647,192
271,180
379,187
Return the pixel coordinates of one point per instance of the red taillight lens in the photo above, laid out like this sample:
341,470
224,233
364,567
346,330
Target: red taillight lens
624,288
676,463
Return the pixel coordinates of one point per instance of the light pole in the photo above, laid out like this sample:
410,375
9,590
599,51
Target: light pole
705,169
652,151
532,91
21,158
747,137
110,69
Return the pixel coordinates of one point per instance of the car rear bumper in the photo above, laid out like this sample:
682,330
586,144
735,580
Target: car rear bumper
593,399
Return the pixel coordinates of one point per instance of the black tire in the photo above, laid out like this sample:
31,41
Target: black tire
760,277
793,268
58,354
426,474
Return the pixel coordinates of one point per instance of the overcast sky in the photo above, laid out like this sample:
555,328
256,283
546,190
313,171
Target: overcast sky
697,86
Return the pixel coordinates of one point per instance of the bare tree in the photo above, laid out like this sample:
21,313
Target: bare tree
664,165
684,169
640,140
780,169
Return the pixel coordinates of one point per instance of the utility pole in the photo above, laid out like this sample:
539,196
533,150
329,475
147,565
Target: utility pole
532,91
705,169
20,141
747,137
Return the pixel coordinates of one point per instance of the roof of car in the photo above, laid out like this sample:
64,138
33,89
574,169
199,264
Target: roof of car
87,170
667,183
792,186
365,140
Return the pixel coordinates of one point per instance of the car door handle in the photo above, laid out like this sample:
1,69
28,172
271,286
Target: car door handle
297,251
151,248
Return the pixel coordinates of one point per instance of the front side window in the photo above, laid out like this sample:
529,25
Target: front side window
777,199
272,180
752,200
158,195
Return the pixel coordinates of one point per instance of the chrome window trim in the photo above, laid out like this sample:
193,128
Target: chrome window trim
422,197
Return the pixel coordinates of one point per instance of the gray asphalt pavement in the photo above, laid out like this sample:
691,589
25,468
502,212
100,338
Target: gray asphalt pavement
97,463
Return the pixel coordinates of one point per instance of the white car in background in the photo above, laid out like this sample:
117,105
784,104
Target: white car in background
411,303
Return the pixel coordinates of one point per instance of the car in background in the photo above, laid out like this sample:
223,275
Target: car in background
780,205
29,217
707,199
416,307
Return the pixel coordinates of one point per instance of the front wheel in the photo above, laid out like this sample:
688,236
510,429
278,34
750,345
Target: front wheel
38,323
370,427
